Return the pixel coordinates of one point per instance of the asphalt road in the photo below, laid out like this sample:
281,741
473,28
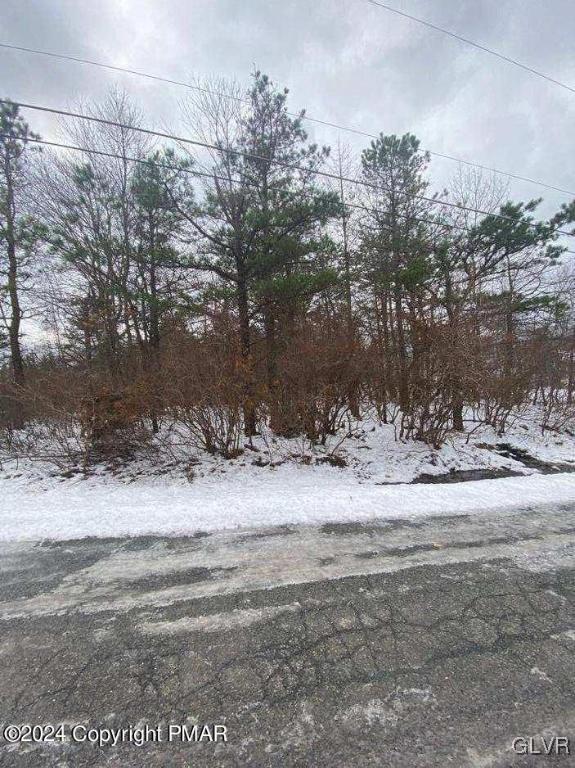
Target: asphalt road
431,642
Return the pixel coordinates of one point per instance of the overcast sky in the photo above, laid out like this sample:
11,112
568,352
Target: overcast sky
344,61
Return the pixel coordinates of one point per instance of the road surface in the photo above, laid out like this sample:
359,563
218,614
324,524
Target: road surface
409,643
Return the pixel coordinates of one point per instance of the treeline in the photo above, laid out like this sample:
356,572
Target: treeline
264,282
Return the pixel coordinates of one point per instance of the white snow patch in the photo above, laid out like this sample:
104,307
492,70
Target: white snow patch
218,622
540,673
374,712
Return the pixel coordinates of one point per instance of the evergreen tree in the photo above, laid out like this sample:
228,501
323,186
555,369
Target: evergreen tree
19,231
260,230
395,243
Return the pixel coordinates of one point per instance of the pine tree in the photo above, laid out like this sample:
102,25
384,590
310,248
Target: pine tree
395,240
18,230
261,230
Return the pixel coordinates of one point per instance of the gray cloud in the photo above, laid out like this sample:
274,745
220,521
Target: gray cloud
344,61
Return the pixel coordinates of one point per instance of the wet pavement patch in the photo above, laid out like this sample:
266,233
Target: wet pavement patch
466,475
280,530
155,582
183,542
415,548
370,529
86,541
344,529
396,551
139,543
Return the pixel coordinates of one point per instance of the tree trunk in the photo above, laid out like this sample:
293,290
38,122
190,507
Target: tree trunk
274,394
15,318
15,311
154,332
571,370
402,354
458,413
245,346
16,357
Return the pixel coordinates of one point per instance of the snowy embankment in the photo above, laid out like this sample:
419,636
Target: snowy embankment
287,481
293,494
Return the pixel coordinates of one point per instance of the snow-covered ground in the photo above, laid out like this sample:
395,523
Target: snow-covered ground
293,495
282,482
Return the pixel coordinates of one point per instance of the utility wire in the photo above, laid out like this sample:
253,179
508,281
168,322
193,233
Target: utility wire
202,174
227,179
252,156
200,89
466,40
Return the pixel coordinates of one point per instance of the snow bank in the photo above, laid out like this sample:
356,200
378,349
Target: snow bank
291,494
152,495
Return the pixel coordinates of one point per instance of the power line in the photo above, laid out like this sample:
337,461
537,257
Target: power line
116,156
252,156
168,166
201,174
466,40
227,179
318,121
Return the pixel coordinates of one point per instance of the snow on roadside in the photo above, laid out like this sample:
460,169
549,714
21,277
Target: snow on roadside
282,481
289,494
370,451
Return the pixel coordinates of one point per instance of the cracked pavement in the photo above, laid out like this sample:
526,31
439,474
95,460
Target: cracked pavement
416,643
